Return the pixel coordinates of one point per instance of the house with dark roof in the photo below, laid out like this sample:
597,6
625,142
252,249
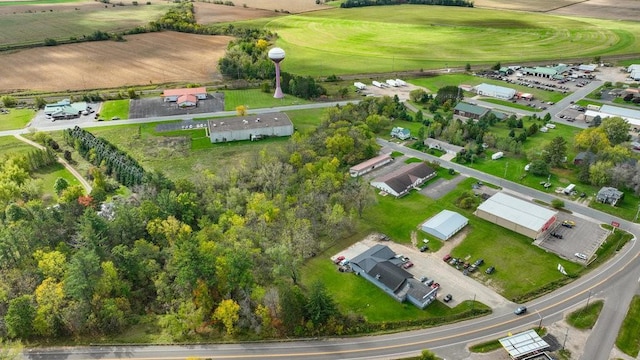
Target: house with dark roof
470,111
584,157
609,195
399,182
380,266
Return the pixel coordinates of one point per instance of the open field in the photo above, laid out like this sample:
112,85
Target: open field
143,59
255,99
29,24
601,9
524,5
393,38
15,119
293,7
207,13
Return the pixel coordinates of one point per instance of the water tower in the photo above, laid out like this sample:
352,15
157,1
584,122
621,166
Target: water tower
277,55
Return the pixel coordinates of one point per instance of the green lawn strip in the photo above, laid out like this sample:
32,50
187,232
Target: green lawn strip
372,302
625,209
585,317
256,99
115,108
16,119
614,242
10,145
628,340
306,121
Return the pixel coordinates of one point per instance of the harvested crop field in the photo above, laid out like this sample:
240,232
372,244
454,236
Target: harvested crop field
30,24
207,13
601,9
293,7
143,59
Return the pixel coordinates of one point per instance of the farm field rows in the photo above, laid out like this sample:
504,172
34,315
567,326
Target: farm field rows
32,24
386,39
152,58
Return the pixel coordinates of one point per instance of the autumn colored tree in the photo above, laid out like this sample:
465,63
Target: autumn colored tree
227,313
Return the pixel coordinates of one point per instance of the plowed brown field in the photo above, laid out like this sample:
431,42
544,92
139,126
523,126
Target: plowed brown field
207,13
142,59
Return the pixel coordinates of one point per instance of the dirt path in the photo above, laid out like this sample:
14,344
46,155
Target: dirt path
87,186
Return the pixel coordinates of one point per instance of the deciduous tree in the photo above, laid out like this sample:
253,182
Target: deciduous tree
227,313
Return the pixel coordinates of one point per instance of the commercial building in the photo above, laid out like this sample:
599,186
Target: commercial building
187,97
399,182
65,109
555,72
380,266
370,165
470,111
252,128
445,224
518,215
495,91
630,115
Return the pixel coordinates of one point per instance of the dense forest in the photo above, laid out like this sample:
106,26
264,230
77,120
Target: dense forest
218,254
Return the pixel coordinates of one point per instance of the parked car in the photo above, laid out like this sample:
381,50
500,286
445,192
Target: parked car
429,282
569,223
339,259
580,256
490,270
447,298
424,248
520,310
478,262
407,265
446,258
556,235
435,285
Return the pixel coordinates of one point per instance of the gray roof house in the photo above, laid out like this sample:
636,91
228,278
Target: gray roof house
401,133
609,195
380,266
399,182
584,157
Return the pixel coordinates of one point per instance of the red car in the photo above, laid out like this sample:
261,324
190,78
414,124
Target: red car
407,265
338,259
446,258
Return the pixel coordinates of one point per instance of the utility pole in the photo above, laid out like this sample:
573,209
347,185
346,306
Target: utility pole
565,338
589,298
540,324
637,213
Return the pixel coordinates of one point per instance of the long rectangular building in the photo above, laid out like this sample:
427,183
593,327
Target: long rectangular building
252,127
515,214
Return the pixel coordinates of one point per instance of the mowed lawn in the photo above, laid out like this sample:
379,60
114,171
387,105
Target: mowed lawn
10,145
16,119
61,24
498,246
391,38
256,99
115,108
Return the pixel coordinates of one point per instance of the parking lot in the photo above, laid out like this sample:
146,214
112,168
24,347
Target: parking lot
427,264
585,237
156,106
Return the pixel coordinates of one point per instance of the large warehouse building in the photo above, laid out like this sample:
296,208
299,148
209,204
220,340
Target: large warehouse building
249,127
515,214
499,92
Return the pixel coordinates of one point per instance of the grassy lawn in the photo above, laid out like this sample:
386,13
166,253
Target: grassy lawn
585,317
11,145
16,119
625,209
50,174
306,121
41,23
368,37
484,240
256,99
629,336
115,108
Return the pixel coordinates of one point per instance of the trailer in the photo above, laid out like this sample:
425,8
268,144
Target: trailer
377,84
401,82
359,85
569,189
392,82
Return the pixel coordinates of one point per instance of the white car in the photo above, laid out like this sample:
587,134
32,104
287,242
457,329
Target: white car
580,256
551,126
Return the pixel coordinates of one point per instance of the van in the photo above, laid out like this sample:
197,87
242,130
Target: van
497,155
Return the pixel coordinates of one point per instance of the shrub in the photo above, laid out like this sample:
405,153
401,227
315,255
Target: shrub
50,42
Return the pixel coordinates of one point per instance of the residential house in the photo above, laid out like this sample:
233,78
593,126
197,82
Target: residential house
401,133
609,195
584,157
399,182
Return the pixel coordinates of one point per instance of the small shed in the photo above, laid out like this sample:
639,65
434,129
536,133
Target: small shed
524,344
445,224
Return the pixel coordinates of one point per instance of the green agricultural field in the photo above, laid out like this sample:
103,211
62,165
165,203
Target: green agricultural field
44,22
115,108
255,99
409,37
16,119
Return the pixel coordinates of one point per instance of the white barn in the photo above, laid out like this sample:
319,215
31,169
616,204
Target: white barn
495,91
249,127
445,224
518,215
